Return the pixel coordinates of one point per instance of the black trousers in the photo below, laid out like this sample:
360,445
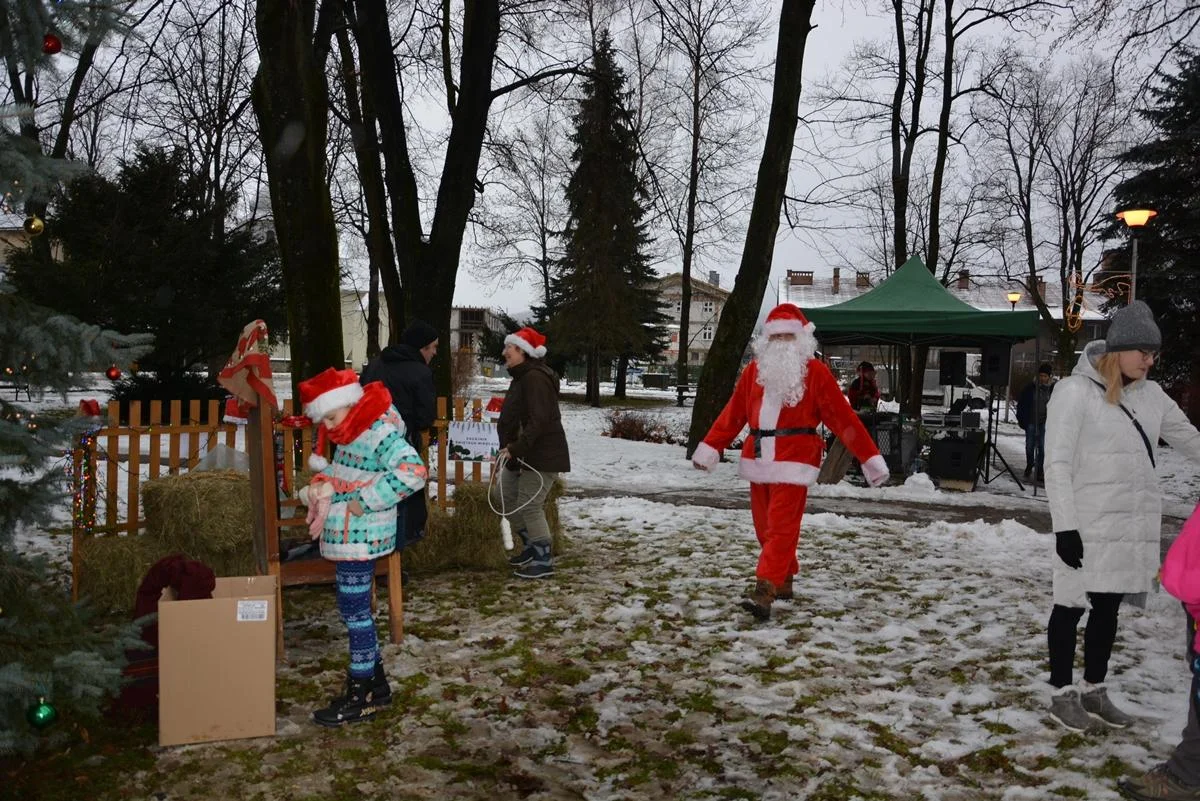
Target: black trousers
1098,638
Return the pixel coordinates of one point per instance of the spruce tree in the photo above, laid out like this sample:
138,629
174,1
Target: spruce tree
1168,275
603,299
52,660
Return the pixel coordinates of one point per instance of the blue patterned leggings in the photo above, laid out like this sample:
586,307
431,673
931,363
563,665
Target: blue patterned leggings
354,602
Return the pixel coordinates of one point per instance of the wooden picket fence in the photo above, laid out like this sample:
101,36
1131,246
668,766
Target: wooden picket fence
151,445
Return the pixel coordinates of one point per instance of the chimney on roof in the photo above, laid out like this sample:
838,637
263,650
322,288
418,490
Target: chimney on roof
837,279
862,279
714,278
1041,288
800,277
964,279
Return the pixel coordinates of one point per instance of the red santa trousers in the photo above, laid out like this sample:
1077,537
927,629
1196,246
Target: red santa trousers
777,510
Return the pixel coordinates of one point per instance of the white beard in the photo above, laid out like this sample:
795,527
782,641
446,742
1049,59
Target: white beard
783,366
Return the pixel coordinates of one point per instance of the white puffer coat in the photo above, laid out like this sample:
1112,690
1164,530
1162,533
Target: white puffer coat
1100,481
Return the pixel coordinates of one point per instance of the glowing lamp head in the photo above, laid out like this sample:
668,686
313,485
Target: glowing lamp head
1136,218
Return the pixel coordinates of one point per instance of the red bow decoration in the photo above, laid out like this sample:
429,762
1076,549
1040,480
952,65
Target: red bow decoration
89,407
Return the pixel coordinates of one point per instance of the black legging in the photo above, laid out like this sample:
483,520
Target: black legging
1098,638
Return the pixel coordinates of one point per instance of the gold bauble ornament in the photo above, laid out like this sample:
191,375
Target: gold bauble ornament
34,225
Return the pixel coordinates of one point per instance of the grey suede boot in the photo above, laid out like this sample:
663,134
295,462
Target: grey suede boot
758,603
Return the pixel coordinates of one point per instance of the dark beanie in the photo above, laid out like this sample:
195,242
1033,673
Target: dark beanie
419,334
1133,328
1046,369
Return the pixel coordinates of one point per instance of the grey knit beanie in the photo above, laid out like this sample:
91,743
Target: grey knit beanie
1133,328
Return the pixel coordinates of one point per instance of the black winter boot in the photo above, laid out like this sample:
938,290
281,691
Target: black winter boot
758,603
525,555
379,685
540,566
358,705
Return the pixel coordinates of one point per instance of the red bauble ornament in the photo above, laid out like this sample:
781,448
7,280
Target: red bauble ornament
51,44
113,373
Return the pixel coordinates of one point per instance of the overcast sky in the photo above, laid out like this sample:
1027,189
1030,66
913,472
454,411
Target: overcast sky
837,28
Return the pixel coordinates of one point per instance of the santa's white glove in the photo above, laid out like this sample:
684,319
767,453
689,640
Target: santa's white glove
318,498
875,471
705,457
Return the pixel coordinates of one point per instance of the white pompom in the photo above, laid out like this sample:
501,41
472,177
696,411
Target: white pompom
506,532
317,462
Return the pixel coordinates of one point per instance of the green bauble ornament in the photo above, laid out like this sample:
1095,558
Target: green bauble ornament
41,714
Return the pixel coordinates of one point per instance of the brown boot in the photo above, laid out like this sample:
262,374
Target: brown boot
784,592
759,601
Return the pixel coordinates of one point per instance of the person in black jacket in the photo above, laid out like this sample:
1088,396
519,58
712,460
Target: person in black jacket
533,447
404,370
1031,417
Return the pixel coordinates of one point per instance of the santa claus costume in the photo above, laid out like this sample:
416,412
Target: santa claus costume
783,395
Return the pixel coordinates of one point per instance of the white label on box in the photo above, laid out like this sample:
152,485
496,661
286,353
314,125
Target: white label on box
252,611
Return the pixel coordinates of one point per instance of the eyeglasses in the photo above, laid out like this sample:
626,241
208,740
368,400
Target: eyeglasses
1152,355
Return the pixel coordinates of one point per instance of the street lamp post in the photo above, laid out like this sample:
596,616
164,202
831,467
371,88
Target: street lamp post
1135,219
1012,297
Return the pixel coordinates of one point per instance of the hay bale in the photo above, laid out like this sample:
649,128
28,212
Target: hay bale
467,536
112,567
206,515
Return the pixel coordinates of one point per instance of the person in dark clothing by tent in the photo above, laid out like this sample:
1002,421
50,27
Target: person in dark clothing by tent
1031,417
404,370
864,390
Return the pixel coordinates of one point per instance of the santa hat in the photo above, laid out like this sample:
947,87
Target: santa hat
786,318
529,341
236,411
328,390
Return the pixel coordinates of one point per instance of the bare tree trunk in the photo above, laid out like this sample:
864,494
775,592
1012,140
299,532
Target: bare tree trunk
432,265
741,310
379,237
622,370
290,100
592,391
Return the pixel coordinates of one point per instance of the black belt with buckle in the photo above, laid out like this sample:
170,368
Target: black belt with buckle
759,433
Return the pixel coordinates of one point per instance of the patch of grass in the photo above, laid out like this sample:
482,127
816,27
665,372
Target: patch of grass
768,742
583,720
678,737
998,728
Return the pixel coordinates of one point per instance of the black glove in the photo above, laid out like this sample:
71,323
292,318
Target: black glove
1069,547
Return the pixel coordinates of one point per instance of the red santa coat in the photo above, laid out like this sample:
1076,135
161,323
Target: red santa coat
783,446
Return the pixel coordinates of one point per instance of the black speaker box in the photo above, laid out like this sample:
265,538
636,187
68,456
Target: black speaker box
952,368
954,459
993,367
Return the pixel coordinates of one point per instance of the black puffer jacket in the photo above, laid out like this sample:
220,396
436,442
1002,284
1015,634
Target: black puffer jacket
530,425
403,370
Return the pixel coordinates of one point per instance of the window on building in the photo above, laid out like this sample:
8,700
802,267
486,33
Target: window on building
678,307
708,307
706,334
470,319
694,356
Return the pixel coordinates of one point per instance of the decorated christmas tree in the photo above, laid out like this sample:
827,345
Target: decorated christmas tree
56,668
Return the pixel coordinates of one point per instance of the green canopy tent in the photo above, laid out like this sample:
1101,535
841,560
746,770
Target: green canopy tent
912,308
909,308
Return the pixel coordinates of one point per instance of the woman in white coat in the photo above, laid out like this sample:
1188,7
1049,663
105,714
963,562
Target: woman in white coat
1102,431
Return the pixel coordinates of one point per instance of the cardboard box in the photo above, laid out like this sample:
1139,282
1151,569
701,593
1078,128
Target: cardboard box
217,663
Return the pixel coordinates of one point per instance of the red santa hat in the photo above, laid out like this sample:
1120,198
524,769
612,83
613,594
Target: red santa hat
236,411
529,341
323,393
786,318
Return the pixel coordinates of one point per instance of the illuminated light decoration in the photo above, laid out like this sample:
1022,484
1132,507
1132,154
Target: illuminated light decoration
1136,218
1013,297
1114,286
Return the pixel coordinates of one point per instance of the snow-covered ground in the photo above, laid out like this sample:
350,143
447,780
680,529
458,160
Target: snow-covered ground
910,666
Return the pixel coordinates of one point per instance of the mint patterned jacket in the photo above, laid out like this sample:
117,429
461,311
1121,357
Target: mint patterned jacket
379,469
